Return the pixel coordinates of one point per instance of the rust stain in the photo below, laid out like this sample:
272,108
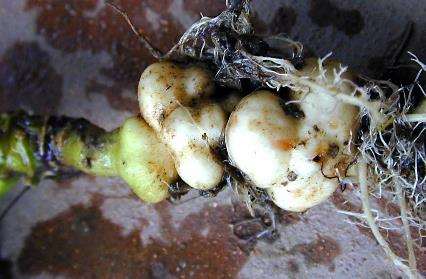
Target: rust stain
293,266
90,25
81,243
28,81
289,218
325,13
322,251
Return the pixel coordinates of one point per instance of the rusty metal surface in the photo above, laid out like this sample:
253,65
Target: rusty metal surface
79,58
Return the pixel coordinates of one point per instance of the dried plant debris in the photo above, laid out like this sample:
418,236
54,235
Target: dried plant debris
228,42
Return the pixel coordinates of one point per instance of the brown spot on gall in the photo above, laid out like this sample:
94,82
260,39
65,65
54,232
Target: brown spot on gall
285,144
292,176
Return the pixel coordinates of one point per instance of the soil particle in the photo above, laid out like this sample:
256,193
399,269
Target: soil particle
289,218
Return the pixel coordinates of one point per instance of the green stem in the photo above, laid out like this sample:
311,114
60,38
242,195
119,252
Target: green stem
35,147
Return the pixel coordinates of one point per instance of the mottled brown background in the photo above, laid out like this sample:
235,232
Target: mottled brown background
79,58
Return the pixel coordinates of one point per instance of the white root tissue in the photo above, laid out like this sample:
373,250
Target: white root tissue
296,158
175,103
